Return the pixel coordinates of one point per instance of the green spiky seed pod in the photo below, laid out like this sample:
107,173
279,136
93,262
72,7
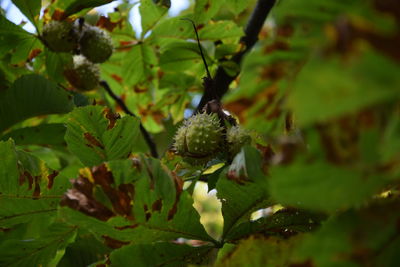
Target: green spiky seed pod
236,138
180,140
96,44
199,138
83,75
60,36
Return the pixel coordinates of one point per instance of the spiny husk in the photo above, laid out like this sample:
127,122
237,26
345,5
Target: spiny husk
96,45
83,75
199,139
60,36
236,138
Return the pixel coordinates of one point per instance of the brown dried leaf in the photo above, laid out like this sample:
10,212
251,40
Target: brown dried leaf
237,176
58,15
26,176
36,190
86,204
117,78
34,53
51,178
178,188
92,140
113,243
120,198
112,118
106,23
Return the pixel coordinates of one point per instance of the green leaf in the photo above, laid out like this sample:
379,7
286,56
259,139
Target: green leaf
388,256
139,204
317,98
138,64
242,189
25,50
84,251
160,254
55,64
37,251
237,6
180,56
179,29
173,28
355,238
204,10
263,84
78,5
30,8
220,30
29,96
231,68
260,252
95,136
14,37
43,134
28,188
321,186
151,13
286,222
8,166
390,148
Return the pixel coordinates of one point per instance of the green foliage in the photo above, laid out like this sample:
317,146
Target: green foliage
141,204
341,96
94,135
160,254
154,13
74,6
15,38
138,64
241,188
30,9
50,134
29,189
32,95
46,249
308,177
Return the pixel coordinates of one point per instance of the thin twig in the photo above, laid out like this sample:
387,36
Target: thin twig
198,43
222,80
121,103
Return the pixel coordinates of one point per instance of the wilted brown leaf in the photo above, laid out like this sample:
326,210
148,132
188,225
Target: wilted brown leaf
106,23
112,118
113,243
81,197
92,140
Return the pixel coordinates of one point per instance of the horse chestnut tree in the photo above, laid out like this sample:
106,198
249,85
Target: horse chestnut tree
265,133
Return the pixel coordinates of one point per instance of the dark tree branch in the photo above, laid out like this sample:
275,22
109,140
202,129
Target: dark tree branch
120,102
222,80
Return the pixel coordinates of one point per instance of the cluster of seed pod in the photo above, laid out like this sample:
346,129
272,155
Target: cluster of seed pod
202,138
90,44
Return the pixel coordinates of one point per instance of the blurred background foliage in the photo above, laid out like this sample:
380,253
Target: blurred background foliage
320,92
